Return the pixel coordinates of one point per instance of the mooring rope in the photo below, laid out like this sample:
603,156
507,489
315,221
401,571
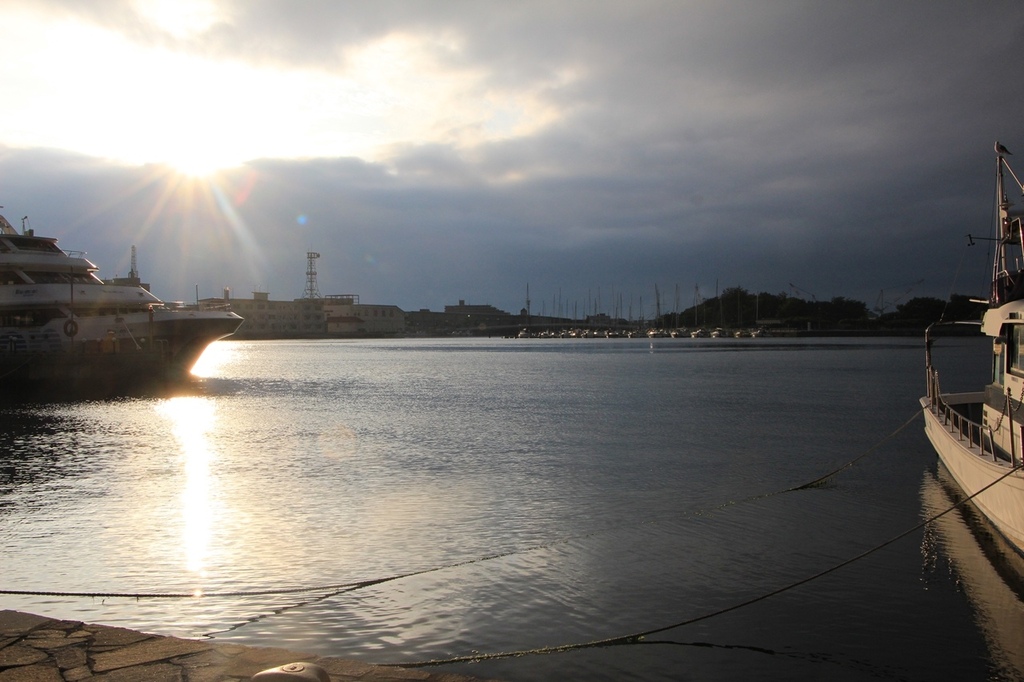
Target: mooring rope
638,637
16,369
819,481
337,588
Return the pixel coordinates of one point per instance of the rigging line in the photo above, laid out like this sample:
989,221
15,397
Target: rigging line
24,364
952,286
338,588
818,481
130,335
638,637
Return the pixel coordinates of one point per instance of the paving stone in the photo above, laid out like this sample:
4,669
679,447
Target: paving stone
39,648
205,666
255,659
47,632
389,674
77,674
41,672
18,623
157,672
19,654
49,643
106,636
69,657
147,651
345,666
230,649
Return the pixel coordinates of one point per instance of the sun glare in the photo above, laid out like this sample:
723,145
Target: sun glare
192,419
213,359
199,163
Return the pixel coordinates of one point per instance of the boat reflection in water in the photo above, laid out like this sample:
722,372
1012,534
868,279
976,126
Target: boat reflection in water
990,571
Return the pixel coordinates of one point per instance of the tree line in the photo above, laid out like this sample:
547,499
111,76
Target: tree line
737,308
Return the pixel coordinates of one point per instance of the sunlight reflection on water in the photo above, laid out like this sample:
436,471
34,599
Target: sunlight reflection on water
192,419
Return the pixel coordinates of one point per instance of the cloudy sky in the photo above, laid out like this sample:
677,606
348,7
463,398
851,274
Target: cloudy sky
464,149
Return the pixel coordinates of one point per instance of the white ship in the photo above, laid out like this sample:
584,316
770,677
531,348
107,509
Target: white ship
63,328
978,435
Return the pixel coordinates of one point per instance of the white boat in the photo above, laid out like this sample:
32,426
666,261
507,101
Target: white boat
978,435
62,327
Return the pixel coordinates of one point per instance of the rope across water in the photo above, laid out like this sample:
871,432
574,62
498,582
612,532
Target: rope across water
627,639
638,637
355,585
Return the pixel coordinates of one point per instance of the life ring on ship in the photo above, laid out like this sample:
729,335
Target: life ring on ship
70,328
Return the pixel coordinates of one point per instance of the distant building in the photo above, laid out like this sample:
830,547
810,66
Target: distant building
346,316
479,319
266,319
463,319
485,310
329,316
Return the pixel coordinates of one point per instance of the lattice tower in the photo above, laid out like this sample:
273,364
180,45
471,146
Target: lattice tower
311,289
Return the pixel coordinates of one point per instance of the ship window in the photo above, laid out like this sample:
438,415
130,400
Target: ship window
1016,358
29,318
999,362
34,244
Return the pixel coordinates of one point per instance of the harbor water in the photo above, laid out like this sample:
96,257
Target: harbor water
403,501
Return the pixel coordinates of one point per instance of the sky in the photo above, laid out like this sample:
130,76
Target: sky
587,151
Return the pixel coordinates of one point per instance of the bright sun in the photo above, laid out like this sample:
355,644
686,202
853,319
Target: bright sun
199,163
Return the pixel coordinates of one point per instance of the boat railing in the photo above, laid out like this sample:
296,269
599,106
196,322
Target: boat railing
976,435
204,306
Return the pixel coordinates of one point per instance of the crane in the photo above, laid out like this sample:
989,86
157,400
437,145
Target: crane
797,289
882,303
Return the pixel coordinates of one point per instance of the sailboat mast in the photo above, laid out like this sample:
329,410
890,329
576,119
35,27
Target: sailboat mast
999,263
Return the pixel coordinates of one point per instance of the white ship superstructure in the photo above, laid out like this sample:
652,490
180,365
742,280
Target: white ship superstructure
57,315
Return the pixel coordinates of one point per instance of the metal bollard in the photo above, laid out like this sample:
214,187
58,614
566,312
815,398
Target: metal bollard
293,672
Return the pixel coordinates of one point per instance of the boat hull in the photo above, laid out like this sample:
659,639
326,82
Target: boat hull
108,356
67,376
1003,502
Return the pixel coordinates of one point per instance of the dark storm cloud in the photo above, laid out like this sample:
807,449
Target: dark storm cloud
841,147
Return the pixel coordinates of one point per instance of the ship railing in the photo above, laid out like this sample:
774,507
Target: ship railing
977,436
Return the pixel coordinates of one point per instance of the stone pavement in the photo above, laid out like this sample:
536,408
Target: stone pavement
40,649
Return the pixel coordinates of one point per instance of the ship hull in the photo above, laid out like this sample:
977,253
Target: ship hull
108,355
994,487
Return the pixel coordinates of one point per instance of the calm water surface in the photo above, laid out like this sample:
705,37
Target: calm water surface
524,494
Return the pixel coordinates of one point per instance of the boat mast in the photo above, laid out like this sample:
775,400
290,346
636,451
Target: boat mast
999,262
1007,272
